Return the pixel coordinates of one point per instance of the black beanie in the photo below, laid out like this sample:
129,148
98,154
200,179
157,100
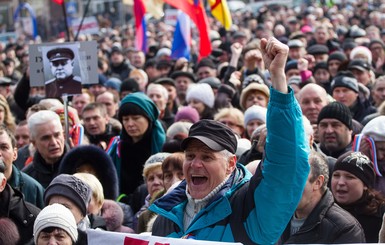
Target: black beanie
337,55
357,164
320,65
337,111
345,79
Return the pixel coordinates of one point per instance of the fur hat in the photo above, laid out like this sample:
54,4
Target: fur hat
357,164
252,87
72,188
202,92
337,111
55,215
99,161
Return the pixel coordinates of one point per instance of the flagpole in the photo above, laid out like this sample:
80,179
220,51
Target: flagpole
81,22
65,21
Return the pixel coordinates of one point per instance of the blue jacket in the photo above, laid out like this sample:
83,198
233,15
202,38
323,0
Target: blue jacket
250,209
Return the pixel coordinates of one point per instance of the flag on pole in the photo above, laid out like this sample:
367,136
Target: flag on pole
195,10
220,10
182,37
140,25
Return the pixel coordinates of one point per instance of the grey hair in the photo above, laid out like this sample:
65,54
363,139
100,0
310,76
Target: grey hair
318,166
307,126
226,154
159,87
42,117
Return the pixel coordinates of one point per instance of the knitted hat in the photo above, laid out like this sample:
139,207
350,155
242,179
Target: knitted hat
55,215
154,161
202,92
318,49
178,130
187,113
114,83
357,164
206,62
252,87
72,188
255,112
291,65
337,111
376,40
129,84
375,128
359,64
337,55
320,65
345,79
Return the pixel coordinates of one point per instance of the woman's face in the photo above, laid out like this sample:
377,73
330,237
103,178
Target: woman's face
252,125
154,181
94,207
198,105
57,236
346,187
135,126
256,98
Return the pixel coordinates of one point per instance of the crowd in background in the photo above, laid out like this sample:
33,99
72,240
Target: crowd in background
126,129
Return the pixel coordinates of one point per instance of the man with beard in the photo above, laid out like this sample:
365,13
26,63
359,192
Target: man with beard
335,129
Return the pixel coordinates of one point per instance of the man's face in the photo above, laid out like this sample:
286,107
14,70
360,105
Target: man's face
157,97
362,76
205,71
377,52
307,195
333,66
108,100
321,36
94,122
62,69
345,96
49,141
66,202
97,89
138,59
204,169
321,76
116,58
292,72
171,90
296,53
80,101
320,58
8,153
378,93
333,134
182,83
22,136
311,103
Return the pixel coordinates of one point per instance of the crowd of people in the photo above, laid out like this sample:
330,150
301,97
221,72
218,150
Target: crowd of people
277,137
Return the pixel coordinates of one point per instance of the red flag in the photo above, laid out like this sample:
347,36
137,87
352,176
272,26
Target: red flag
60,2
195,10
140,25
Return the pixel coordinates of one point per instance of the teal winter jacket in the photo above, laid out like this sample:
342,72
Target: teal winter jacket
249,209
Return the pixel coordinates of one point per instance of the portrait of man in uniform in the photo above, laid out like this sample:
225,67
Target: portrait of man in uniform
61,61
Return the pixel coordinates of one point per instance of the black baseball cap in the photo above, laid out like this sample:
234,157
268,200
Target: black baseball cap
359,64
214,134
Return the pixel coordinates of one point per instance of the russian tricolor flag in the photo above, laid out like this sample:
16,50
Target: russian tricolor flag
140,25
182,37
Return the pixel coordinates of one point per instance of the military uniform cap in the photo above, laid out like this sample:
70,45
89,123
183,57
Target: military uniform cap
60,54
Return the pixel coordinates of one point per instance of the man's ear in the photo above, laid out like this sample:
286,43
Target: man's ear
232,164
318,183
14,153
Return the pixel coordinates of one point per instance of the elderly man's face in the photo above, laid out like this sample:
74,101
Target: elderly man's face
157,97
62,69
204,169
48,140
378,92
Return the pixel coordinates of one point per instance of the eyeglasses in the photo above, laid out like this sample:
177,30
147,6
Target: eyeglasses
57,63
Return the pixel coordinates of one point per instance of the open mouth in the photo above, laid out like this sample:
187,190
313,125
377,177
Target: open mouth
198,179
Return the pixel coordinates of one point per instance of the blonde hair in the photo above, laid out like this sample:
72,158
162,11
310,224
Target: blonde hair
9,120
233,113
96,187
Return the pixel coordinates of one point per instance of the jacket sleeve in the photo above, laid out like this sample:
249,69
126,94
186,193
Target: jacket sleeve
285,170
